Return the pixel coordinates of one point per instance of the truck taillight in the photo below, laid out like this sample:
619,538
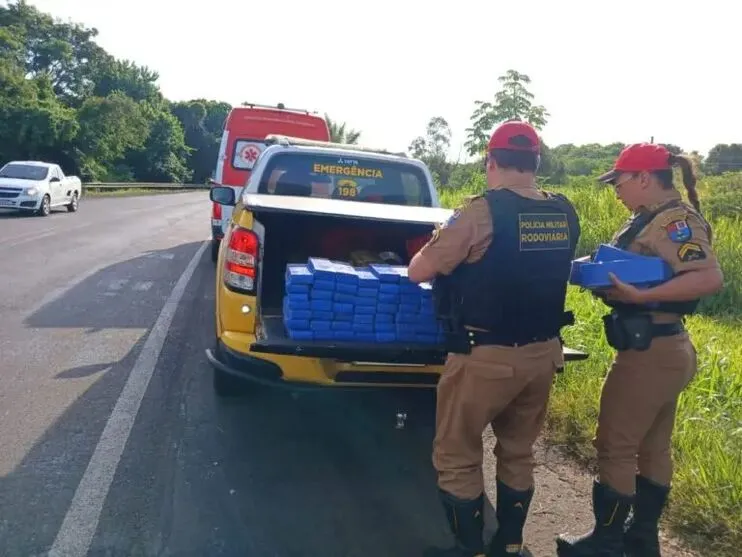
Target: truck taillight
241,260
216,211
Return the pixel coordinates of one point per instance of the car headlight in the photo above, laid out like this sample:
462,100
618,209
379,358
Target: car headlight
32,191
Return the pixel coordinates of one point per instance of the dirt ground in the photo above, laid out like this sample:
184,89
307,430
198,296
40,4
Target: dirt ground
562,502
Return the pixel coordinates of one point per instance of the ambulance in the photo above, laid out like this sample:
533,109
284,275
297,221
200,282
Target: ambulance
243,140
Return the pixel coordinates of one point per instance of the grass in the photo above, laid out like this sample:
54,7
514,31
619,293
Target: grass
706,501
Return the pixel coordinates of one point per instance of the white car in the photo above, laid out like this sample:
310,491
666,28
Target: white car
37,187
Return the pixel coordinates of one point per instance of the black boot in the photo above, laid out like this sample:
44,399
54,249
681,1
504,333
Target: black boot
606,539
466,519
512,511
642,536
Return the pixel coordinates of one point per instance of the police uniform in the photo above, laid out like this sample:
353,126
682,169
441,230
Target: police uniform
640,393
507,256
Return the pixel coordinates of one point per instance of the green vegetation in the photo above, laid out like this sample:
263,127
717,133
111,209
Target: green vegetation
64,99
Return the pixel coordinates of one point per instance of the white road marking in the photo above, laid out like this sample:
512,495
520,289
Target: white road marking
81,521
142,286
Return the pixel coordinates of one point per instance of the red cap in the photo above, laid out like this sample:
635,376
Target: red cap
639,157
516,136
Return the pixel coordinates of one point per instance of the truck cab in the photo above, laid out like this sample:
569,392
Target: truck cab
37,187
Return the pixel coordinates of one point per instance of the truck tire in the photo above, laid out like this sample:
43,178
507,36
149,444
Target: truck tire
74,204
214,250
45,208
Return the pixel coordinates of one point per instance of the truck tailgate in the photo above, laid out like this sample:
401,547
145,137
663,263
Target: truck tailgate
272,339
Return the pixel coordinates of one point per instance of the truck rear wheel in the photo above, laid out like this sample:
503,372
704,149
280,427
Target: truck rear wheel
214,250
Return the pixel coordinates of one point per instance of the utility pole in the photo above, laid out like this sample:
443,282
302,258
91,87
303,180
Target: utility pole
651,139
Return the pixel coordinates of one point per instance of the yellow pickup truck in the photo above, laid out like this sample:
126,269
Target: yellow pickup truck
322,200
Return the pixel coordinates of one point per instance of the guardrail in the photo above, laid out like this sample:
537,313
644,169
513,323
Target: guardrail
142,185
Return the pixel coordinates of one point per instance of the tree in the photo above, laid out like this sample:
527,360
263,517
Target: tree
724,158
339,133
512,102
433,148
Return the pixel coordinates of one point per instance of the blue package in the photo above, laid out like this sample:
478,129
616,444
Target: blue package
325,334
386,337
322,305
343,316
380,326
321,294
346,288
297,288
344,298
297,273
384,318
296,324
320,315
290,314
343,335
297,297
363,327
366,279
388,288
320,325
360,336
388,298
322,284
365,310
632,268
341,325
412,299
363,292
359,301
298,304
407,308
342,308
410,288
332,270
301,335
384,272
365,319
386,308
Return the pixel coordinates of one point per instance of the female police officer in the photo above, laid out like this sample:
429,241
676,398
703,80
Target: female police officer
655,358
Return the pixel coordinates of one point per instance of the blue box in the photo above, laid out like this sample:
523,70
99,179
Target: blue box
632,268
298,274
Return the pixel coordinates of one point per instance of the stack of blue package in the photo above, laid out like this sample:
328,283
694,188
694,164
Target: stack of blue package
407,307
330,300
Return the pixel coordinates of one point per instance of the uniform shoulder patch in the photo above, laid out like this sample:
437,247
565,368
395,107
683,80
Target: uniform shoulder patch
690,251
678,230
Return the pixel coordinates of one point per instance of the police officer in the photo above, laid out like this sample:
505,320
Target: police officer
506,256
655,358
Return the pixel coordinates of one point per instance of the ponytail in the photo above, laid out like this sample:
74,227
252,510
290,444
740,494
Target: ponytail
689,178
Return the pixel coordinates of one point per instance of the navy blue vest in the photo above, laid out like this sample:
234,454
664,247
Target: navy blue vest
518,288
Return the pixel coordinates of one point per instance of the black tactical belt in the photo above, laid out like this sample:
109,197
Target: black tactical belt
667,329
484,338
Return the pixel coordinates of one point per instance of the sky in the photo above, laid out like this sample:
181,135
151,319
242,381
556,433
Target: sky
606,71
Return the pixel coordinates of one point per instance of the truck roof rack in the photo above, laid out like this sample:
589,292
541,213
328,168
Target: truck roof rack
279,106
286,140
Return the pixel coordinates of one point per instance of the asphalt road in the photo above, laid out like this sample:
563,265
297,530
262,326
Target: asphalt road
112,441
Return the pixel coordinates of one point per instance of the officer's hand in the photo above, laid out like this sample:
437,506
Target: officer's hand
623,292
